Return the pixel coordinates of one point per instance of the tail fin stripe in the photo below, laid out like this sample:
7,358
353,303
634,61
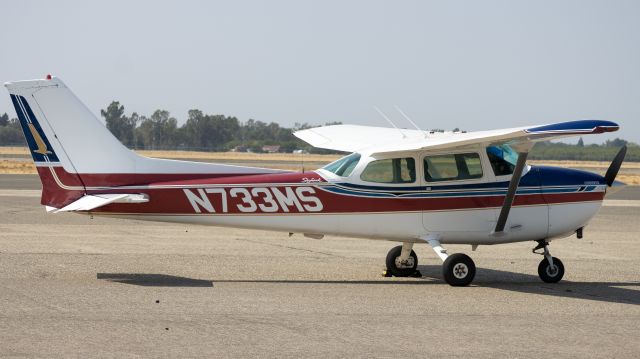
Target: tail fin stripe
24,111
41,149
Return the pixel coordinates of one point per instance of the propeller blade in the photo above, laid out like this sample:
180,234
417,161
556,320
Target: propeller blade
614,167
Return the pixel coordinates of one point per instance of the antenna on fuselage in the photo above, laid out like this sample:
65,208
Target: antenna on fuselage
408,119
388,120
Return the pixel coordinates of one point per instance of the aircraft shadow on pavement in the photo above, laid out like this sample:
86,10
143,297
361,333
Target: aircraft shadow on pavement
611,292
154,280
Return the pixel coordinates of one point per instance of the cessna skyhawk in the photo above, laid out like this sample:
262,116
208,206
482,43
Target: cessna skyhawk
407,186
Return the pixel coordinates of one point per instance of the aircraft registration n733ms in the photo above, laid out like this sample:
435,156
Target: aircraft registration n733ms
408,186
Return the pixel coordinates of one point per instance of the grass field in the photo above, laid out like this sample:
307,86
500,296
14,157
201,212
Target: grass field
15,161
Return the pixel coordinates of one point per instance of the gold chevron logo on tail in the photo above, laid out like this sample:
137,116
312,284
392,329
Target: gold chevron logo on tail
42,147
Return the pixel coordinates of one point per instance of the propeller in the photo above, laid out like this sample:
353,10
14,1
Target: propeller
614,167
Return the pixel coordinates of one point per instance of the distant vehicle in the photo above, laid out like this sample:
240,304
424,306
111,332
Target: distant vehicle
408,186
271,148
239,149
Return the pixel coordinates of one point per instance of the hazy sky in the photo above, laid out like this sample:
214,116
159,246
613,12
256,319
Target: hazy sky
469,64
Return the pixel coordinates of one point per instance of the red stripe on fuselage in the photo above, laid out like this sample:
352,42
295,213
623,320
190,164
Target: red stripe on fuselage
56,196
142,179
270,178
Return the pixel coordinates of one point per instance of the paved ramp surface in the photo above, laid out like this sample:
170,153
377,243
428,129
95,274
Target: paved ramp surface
71,286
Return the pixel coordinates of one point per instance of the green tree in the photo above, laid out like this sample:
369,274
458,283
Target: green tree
135,120
121,126
4,120
160,131
580,142
210,132
11,132
616,142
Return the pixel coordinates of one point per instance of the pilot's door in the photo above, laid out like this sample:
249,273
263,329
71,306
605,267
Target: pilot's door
529,215
456,196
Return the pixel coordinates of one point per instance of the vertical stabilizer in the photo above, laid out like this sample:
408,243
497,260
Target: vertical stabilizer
60,128
75,153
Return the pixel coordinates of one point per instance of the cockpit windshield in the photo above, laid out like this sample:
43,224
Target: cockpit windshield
344,166
503,159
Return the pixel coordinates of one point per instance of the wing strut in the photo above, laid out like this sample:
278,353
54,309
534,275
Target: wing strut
511,192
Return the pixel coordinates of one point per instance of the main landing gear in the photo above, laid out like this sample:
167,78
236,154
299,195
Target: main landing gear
550,269
458,269
402,261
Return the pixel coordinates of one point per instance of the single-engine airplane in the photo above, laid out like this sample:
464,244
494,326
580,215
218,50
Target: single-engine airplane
408,186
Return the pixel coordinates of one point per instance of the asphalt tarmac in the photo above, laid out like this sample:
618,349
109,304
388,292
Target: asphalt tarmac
72,286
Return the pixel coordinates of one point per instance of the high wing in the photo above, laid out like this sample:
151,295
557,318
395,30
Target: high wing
375,140
354,138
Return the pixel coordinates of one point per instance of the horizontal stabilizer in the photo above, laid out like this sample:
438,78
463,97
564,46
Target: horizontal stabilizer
90,202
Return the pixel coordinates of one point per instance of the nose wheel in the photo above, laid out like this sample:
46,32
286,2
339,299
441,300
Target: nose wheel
550,269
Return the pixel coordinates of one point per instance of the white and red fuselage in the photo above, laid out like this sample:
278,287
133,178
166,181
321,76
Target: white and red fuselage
551,202
78,161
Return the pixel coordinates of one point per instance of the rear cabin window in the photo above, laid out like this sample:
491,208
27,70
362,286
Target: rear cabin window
454,167
392,170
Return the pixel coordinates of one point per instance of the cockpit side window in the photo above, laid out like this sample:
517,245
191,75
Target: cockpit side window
452,167
392,170
503,159
344,166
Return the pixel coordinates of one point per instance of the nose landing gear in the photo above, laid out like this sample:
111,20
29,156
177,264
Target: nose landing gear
550,269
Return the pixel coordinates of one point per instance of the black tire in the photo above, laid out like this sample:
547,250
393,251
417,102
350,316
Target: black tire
549,275
392,265
458,270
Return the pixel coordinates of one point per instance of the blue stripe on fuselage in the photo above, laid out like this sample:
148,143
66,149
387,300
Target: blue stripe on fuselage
448,194
540,179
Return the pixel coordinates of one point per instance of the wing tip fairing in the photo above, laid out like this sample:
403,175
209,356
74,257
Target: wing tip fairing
575,127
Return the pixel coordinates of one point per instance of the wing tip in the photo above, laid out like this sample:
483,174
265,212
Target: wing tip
576,127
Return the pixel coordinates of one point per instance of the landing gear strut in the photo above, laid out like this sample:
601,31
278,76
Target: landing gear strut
550,269
402,261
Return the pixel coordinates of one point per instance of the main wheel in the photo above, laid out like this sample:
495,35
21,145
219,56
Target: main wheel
458,270
397,267
550,274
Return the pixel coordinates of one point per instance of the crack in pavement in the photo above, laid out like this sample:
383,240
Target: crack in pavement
290,247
